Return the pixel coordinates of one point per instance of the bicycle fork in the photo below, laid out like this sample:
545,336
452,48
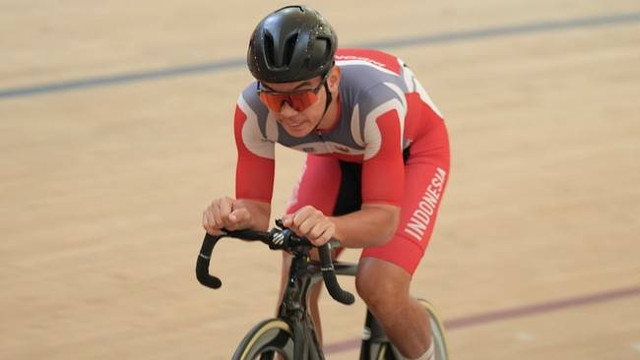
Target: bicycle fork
293,309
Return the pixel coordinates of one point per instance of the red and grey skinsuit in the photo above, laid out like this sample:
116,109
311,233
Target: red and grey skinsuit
390,146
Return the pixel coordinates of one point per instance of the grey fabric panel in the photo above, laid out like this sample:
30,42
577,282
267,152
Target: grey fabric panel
364,85
360,85
251,97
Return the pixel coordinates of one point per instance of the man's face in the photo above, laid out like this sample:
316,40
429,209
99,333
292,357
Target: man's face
298,106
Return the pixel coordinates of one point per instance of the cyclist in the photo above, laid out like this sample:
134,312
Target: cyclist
376,167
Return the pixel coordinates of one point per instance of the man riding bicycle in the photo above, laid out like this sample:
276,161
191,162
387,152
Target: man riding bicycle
376,167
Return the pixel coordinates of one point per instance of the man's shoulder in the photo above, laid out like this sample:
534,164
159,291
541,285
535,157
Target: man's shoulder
368,57
249,93
249,100
368,75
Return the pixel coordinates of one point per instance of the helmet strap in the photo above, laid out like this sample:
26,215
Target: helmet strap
326,105
328,100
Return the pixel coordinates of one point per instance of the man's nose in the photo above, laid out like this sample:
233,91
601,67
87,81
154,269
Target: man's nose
287,110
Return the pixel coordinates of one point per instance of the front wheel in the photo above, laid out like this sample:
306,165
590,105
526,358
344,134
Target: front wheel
437,332
386,351
265,340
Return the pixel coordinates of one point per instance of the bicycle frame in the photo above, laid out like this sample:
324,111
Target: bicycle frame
303,274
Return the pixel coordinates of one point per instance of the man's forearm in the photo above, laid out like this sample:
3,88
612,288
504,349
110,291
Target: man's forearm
371,226
260,213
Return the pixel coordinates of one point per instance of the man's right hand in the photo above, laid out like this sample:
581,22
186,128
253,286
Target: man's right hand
225,212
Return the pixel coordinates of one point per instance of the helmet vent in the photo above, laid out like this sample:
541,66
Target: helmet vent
268,48
289,47
291,44
325,45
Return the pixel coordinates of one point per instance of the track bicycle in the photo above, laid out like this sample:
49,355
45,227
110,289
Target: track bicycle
291,334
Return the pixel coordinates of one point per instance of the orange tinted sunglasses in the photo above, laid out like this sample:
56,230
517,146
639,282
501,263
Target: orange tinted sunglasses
297,99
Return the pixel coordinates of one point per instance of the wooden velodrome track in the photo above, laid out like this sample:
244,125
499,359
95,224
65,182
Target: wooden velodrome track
115,130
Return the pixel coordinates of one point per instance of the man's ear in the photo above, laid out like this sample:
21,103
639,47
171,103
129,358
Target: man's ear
333,80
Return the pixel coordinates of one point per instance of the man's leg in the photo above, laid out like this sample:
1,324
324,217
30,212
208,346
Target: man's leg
384,287
385,272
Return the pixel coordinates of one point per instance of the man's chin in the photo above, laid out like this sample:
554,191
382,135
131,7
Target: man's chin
298,132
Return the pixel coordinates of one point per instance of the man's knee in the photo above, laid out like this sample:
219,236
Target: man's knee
381,287
374,292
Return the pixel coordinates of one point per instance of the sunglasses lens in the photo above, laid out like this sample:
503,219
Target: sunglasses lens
272,101
298,101
303,100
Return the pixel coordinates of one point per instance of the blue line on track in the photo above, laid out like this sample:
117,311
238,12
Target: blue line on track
512,313
217,66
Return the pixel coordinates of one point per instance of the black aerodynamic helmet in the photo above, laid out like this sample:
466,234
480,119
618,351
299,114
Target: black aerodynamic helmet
294,43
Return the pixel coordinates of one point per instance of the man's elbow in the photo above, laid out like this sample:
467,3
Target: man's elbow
388,225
